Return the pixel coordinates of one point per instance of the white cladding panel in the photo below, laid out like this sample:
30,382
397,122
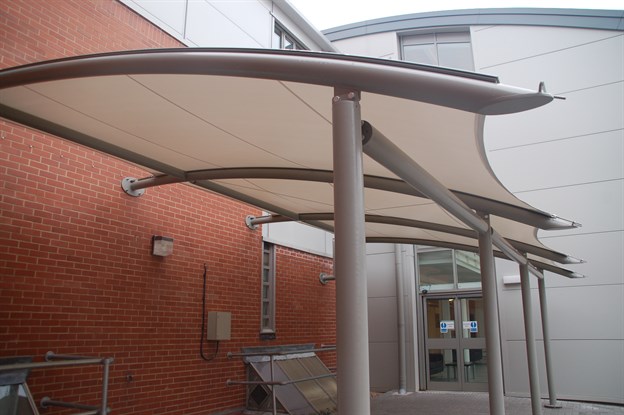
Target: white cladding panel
584,112
383,366
251,17
219,23
382,320
584,370
598,206
380,268
585,66
603,253
551,164
569,321
382,317
168,15
209,26
378,45
299,236
494,46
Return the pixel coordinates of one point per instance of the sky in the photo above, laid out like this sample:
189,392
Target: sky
324,14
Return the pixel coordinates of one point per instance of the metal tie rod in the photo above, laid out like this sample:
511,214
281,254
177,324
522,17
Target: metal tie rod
382,150
499,241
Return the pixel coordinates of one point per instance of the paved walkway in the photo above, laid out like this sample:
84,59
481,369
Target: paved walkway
475,403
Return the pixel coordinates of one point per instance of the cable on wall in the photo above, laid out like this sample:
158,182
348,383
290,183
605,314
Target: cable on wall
203,324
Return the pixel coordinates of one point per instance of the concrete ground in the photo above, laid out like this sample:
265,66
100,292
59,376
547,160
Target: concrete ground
475,403
469,403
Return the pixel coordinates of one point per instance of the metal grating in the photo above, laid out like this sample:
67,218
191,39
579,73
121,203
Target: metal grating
296,396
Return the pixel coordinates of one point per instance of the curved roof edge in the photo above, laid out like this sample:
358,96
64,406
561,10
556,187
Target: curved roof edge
576,18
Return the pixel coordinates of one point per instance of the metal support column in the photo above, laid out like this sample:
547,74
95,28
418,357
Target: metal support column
400,291
529,333
550,377
350,256
492,327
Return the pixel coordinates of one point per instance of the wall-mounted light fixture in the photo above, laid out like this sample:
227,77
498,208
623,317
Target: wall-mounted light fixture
162,245
511,279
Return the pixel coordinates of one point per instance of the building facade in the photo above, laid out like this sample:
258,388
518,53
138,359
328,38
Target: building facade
566,158
77,273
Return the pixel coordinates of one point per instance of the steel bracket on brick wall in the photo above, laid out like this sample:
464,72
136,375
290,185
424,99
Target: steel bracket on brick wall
126,185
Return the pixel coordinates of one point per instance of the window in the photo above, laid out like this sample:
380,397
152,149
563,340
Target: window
468,269
443,270
436,270
282,39
447,49
267,309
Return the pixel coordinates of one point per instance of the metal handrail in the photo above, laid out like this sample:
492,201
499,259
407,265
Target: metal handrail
56,360
45,365
47,402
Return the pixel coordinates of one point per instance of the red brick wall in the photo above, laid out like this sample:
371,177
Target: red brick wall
305,309
76,274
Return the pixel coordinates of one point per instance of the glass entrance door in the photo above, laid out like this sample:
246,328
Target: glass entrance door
455,343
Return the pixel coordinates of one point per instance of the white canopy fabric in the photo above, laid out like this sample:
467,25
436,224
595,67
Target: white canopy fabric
256,125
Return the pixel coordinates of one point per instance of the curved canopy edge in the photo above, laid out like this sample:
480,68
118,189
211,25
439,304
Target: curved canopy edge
457,89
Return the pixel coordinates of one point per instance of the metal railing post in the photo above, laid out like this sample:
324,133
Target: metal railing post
273,400
105,374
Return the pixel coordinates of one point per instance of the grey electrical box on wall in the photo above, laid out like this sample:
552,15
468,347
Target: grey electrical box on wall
219,325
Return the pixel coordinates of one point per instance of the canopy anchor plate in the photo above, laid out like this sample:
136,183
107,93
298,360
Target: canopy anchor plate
126,185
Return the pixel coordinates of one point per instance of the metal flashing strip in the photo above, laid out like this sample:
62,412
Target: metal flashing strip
575,18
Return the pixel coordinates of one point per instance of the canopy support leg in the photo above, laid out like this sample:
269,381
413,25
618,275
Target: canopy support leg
527,310
350,256
492,327
550,377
